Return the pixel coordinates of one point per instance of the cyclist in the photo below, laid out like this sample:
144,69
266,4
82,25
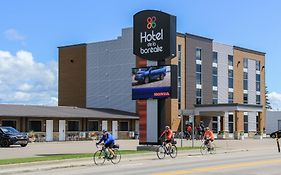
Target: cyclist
209,137
188,132
168,136
108,140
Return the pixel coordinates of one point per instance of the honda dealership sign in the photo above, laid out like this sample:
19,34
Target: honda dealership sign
154,35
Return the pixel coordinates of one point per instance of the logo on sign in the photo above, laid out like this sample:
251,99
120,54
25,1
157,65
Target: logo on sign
151,22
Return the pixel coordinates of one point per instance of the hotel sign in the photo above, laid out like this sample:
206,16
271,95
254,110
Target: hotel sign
154,35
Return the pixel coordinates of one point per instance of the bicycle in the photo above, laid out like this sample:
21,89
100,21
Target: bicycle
207,147
103,154
162,150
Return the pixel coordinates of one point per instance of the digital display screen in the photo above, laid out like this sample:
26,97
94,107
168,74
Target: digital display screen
152,82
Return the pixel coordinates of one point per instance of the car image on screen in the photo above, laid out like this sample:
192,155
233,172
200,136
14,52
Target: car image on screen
152,82
146,75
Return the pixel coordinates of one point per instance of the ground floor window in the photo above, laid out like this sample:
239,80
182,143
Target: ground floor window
93,125
257,122
215,125
12,123
230,123
246,129
35,126
73,125
124,126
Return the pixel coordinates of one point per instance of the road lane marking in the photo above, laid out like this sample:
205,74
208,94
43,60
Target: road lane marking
220,167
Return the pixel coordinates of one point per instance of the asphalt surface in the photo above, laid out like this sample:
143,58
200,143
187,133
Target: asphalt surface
257,161
233,157
49,148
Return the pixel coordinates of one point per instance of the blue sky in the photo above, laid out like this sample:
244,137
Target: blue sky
37,28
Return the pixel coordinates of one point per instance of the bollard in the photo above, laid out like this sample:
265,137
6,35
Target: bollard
277,140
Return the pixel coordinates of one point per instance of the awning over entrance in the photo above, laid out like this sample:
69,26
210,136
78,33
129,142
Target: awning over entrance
220,109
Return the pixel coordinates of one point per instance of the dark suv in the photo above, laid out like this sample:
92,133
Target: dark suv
11,136
273,135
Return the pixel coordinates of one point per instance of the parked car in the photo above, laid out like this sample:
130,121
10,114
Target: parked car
273,135
146,75
11,136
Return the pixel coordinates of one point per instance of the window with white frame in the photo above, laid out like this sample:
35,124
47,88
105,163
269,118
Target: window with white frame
93,125
215,76
230,78
230,97
198,53
179,76
230,123
124,126
73,125
215,57
246,129
245,80
215,97
230,60
198,96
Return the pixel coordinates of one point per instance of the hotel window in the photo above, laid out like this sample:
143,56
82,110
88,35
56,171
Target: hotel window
198,74
215,76
258,99
12,123
198,54
215,97
35,126
230,123
73,125
230,60
258,65
93,125
230,97
215,124
124,126
257,122
258,82
245,81
246,123
245,98
179,76
215,57
230,78
198,96
245,63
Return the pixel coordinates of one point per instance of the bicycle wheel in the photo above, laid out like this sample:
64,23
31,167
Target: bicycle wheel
213,148
161,152
173,151
203,149
99,157
116,159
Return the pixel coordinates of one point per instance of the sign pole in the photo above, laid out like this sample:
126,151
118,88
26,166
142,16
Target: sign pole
278,145
192,131
181,128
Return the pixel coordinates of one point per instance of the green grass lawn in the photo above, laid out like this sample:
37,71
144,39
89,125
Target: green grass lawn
71,156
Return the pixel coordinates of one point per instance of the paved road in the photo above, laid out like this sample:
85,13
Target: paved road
264,162
43,148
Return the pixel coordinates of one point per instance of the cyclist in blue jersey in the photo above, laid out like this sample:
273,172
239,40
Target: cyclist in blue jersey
108,141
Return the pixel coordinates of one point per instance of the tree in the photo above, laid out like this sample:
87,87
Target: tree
267,102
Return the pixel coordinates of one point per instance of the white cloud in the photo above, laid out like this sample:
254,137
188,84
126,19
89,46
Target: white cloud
14,35
25,81
275,100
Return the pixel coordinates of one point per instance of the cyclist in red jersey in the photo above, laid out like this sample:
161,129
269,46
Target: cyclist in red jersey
168,136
